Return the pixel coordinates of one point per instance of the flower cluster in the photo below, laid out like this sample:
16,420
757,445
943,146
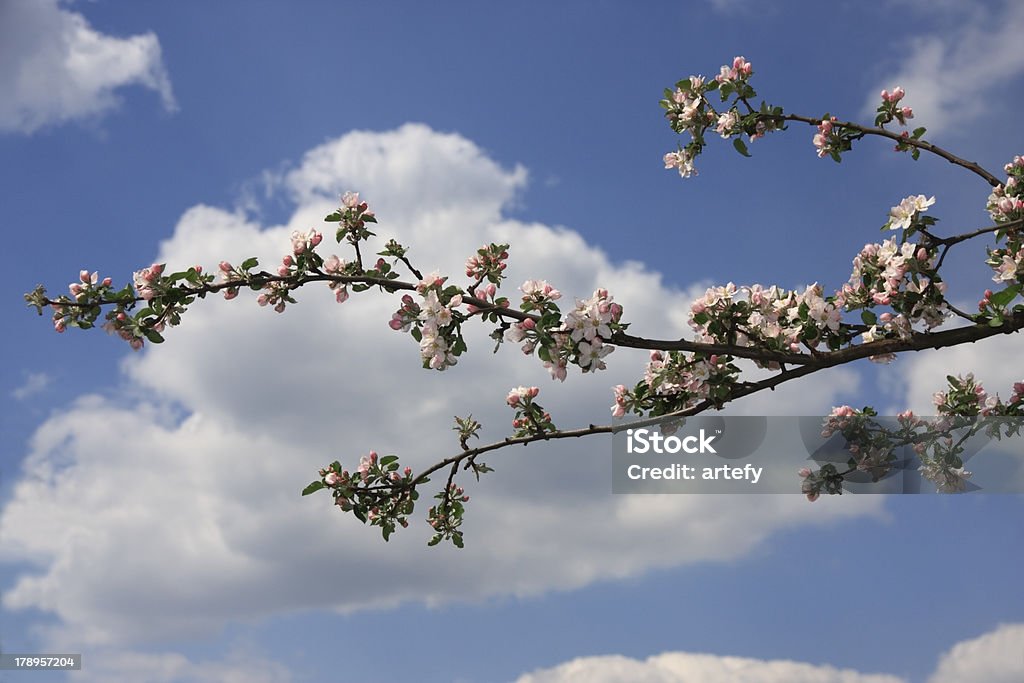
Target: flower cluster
902,276
681,160
379,491
675,381
966,396
87,287
774,318
352,217
488,263
891,109
530,417
740,70
1006,203
827,140
686,104
336,266
435,322
148,282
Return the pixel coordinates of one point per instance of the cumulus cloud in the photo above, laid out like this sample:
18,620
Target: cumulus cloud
54,67
995,362
948,78
181,497
994,657
683,667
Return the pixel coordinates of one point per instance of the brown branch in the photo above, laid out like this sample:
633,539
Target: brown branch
971,166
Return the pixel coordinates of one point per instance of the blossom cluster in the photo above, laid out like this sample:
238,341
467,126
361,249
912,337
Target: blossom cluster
688,110
774,318
676,381
88,285
531,418
379,491
967,396
434,322
892,109
1006,203
488,263
827,140
352,217
740,71
902,276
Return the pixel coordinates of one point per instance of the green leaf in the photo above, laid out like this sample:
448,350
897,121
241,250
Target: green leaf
387,460
250,263
918,132
333,218
153,336
313,488
1004,297
741,147
869,317
997,321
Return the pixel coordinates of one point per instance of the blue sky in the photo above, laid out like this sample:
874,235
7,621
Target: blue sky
149,515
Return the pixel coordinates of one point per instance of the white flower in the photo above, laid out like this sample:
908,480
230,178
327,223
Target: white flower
902,215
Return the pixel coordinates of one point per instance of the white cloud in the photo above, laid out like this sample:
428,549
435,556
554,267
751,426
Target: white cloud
995,362
994,657
683,667
54,67
127,510
949,78
35,382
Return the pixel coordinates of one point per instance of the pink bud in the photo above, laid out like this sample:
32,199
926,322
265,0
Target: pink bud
332,479
107,282
528,324
230,294
225,266
316,239
396,324
804,472
373,456
407,471
922,255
